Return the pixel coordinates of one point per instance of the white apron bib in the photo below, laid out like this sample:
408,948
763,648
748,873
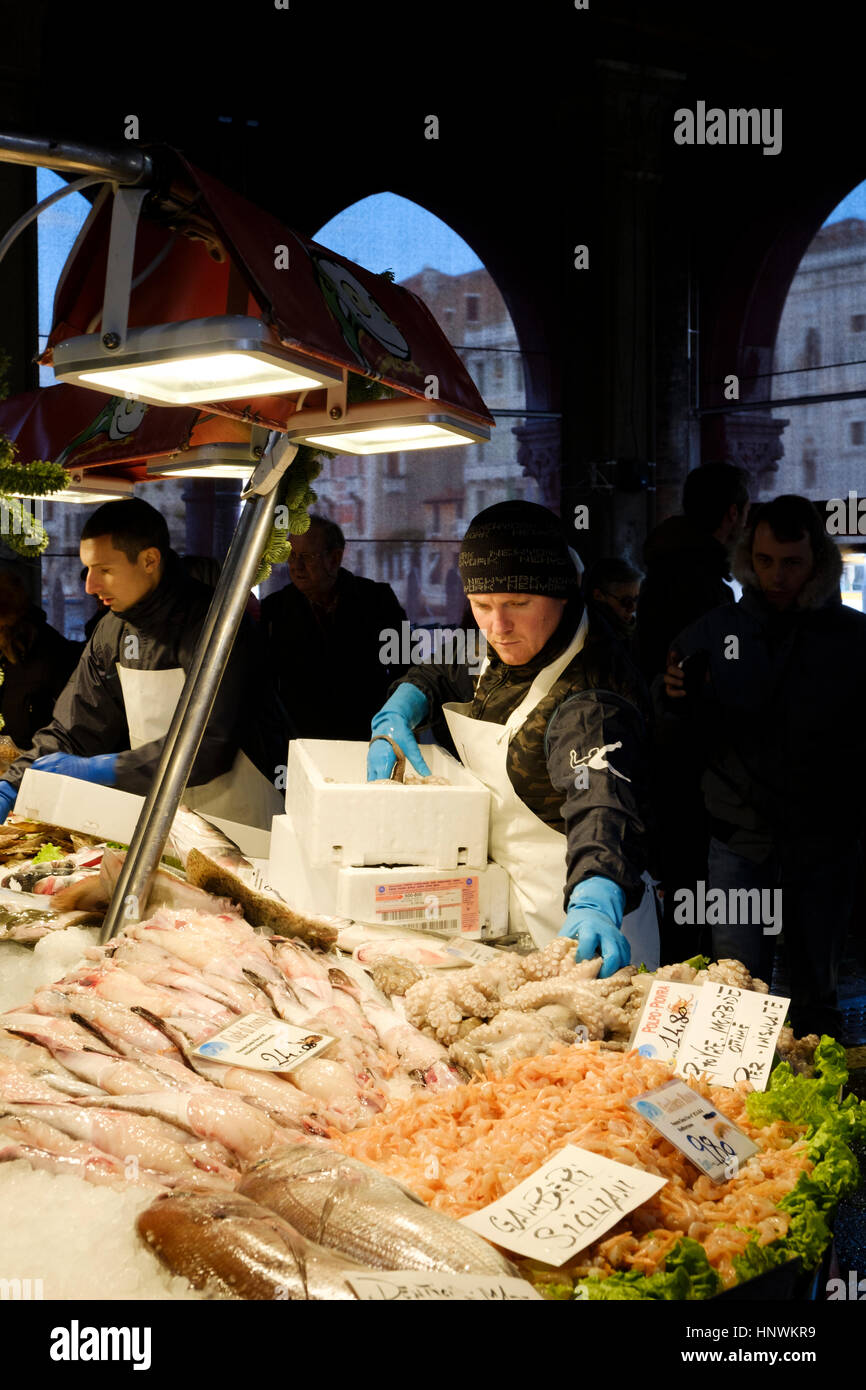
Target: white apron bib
531,852
242,794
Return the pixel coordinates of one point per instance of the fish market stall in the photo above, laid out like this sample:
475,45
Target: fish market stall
232,1107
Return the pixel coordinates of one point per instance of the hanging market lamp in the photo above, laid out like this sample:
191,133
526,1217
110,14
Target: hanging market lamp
207,461
190,363
390,424
88,491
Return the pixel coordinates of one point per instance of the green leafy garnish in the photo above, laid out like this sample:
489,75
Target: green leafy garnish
48,853
699,962
687,1275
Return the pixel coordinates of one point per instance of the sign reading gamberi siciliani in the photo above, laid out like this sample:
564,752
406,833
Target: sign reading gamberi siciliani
565,1205
732,1035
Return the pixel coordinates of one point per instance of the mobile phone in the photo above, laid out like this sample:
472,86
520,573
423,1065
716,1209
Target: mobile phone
694,669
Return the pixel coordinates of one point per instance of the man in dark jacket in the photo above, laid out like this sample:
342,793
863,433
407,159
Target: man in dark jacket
776,700
555,727
688,560
36,661
326,636
110,721
688,564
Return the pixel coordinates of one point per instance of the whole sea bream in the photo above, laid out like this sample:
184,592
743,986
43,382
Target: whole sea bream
346,1206
233,1248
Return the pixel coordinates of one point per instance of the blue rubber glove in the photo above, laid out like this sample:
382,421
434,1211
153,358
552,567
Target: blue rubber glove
401,713
8,797
100,770
593,919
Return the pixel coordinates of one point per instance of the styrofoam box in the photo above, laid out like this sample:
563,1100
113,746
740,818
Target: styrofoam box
343,819
107,812
470,901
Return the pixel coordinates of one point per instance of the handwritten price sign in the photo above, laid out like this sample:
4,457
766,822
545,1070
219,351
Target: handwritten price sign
265,1044
665,1017
569,1202
415,1286
732,1035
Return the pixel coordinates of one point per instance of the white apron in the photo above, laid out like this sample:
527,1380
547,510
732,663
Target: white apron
531,852
242,794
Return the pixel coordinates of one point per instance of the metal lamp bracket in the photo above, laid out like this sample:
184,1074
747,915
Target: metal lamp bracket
118,274
336,405
277,453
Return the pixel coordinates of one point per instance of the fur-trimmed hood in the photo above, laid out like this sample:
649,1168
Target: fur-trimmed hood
822,588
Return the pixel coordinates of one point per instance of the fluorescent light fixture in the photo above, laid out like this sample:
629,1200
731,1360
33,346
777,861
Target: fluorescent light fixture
191,363
89,490
386,431
206,461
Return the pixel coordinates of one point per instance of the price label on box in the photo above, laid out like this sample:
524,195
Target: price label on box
565,1205
703,1134
444,905
417,1286
263,1043
732,1035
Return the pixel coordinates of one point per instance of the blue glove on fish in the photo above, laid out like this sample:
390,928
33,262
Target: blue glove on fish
593,919
401,713
8,797
100,770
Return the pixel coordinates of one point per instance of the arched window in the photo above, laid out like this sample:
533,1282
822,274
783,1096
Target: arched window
430,493
820,361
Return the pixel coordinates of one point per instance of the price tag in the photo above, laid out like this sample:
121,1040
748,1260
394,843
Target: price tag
265,1044
691,1124
732,1035
474,951
569,1202
419,1286
666,1014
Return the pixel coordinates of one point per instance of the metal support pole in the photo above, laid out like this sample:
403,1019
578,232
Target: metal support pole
192,712
127,166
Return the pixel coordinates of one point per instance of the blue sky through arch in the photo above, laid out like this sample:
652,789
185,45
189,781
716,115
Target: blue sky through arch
386,231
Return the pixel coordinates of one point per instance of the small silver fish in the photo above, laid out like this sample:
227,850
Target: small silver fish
346,1206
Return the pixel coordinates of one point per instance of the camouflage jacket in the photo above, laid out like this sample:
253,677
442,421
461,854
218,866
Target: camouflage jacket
557,761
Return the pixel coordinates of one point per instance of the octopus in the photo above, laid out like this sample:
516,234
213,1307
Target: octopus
511,1036
393,975
586,1006
730,972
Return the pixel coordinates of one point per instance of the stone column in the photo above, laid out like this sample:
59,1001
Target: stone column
752,440
539,453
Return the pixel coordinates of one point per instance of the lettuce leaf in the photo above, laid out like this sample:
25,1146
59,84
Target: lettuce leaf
687,1275
47,854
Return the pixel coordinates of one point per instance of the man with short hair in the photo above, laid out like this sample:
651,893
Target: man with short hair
774,690
110,721
611,588
326,635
